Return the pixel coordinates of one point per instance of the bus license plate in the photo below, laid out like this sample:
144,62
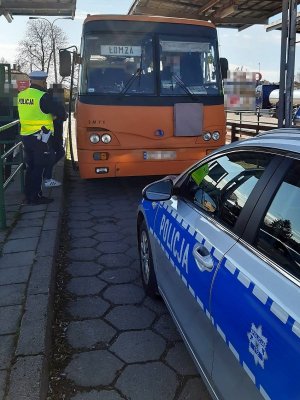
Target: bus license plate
159,155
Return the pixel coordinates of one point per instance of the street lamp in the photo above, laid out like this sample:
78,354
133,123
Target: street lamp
52,39
30,58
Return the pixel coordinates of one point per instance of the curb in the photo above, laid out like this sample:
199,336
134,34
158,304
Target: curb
29,373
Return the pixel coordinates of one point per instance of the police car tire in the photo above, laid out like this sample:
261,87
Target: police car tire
150,284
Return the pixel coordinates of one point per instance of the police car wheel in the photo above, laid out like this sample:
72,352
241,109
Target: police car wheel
146,262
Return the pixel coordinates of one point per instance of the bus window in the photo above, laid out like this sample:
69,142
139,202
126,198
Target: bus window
115,63
190,63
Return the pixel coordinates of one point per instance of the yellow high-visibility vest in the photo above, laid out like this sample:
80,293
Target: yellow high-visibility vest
31,116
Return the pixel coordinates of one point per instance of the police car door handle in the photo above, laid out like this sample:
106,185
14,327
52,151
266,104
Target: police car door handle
203,258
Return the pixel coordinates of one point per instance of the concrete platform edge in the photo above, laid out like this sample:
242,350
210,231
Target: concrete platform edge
29,374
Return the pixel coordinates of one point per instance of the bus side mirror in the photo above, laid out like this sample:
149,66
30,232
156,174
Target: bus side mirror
64,63
224,67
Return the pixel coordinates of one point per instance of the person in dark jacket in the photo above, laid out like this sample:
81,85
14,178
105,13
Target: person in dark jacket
57,93
37,110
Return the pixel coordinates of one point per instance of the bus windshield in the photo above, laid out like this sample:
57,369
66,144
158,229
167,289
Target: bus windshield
188,65
121,63
115,62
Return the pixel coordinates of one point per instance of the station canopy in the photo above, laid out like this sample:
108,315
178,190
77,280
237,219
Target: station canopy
278,25
65,8
239,14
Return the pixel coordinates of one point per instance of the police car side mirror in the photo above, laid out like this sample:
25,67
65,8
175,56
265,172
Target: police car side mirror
158,191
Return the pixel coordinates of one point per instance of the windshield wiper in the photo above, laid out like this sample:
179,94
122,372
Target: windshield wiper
130,81
184,87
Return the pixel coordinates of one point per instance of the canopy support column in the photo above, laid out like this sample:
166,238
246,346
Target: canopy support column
287,63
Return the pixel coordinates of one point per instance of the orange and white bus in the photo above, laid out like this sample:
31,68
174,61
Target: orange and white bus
150,99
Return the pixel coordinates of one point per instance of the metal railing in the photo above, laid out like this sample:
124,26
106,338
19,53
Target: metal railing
258,116
12,157
249,123
239,130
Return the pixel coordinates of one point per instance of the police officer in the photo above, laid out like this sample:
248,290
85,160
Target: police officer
36,113
57,93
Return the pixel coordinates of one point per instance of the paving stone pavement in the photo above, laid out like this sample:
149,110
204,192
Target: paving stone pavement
27,271
111,342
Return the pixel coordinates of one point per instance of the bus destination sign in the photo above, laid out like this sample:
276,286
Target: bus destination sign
116,50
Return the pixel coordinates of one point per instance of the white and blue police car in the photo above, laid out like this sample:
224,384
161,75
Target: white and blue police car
221,244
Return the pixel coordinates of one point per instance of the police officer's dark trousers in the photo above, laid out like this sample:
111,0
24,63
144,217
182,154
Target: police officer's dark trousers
57,145
38,155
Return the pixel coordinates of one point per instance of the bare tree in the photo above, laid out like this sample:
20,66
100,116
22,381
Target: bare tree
3,60
35,52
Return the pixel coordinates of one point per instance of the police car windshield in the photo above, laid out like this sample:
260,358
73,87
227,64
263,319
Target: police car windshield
110,61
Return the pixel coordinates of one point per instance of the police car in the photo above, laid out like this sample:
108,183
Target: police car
221,244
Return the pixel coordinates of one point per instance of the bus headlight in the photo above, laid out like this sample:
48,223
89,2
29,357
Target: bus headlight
106,138
94,138
207,136
216,135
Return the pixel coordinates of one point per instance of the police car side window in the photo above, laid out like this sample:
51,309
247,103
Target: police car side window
222,186
279,233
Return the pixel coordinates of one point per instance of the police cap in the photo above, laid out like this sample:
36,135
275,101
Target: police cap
38,75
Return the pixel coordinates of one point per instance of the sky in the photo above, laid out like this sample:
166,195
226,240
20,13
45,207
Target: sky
252,49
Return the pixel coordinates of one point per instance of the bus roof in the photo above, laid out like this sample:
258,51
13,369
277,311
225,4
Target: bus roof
148,18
